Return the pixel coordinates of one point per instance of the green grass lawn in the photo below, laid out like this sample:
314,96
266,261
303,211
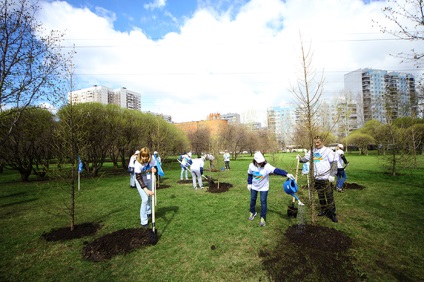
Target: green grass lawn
384,221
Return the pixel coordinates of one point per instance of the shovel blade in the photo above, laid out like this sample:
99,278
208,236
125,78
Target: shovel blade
153,236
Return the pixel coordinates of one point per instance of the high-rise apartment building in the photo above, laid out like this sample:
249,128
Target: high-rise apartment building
382,95
101,94
281,121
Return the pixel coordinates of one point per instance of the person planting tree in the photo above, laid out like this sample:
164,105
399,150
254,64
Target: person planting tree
325,168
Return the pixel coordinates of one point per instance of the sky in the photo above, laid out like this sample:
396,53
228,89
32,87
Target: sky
190,58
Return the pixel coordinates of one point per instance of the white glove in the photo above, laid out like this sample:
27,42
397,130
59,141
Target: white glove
331,178
249,187
290,176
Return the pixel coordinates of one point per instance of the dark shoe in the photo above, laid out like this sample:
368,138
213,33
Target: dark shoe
132,187
145,225
334,218
322,213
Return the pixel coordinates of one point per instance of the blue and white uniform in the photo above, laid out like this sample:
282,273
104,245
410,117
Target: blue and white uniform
146,201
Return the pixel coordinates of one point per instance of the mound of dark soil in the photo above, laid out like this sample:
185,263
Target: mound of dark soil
318,237
353,186
117,243
188,181
310,253
163,186
223,187
65,233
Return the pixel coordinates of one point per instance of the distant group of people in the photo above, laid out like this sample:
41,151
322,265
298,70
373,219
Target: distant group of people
328,167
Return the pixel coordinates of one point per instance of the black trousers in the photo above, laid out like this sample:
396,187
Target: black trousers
325,196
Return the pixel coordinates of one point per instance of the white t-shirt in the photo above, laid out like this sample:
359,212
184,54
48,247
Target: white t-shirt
260,180
338,157
322,159
142,168
132,161
197,164
226,157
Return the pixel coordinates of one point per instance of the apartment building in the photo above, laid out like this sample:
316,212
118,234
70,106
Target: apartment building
382,95
101,94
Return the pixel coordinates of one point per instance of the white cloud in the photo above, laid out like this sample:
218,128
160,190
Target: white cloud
218,63
155,4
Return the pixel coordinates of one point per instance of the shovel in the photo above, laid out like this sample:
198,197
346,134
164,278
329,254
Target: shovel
153,237
209,179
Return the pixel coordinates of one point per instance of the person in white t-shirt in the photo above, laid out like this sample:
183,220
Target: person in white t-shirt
341,164
258,182
131,165
196,170
227,160
185,162
143,169
325,169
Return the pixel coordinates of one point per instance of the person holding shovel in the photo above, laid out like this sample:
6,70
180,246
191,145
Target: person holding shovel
258,181
143,168
196,170
325,168
185,162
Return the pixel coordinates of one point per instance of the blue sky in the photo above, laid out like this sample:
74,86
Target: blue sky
190,58
155,18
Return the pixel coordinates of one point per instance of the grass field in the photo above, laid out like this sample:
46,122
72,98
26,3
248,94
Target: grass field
384,221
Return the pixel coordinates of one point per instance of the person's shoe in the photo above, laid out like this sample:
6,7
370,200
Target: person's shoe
201,187
195,188
262,223
322,213
186,178
145,225
132,187
252,216
339,190
334,218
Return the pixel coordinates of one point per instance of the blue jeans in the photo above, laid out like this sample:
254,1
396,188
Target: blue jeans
184,170
146,202
132,179
341,177
263,199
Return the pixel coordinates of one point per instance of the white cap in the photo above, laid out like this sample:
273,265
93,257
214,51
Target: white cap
155,153
340,146
258,157
137,152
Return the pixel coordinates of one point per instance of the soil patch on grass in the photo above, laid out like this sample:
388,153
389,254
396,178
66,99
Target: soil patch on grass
223,187
188,181
352,186
310,253
65,233
163,186
118,243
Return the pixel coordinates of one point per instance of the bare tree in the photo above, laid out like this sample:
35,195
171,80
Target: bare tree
308,92
31,62
408,16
